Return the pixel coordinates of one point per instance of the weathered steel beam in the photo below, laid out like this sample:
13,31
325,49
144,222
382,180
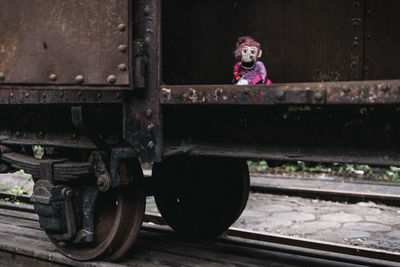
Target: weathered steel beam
58,95
355,92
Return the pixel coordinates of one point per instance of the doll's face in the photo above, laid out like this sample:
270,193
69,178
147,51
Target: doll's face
249,53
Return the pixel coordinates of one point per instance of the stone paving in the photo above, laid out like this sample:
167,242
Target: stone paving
362,224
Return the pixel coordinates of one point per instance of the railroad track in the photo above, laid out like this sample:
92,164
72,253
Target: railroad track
22,242
325,194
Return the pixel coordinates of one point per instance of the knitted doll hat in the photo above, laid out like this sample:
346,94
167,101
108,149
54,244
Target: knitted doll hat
245,41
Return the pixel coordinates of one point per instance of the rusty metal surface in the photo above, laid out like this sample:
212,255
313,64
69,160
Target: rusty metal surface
61,95
361,92
142,113
64,42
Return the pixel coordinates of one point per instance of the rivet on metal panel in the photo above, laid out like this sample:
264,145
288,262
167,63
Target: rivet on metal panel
318,96
346,89
356,22
147,10
150,145
150,128
122,67
99,95
121,27
26,95
279,94
147,39
79,78
122,48
2,76
11,95
149,112
111,79
53,77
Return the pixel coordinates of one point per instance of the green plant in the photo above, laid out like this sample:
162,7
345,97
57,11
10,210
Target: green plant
259,166
393,173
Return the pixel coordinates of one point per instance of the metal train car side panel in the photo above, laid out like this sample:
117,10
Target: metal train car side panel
65,42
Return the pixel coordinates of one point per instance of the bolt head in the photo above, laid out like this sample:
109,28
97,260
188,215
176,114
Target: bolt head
26,95
318,96
279,94
346,89
111,79
122,48
122,67
149,112
79,78
147,10
52,77
2,76
150,145
150,127
121,27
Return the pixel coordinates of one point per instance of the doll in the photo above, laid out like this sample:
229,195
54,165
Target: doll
248,70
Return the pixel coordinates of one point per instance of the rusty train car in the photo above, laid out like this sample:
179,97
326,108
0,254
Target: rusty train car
102,84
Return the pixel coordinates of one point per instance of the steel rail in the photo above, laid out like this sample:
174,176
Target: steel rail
335,195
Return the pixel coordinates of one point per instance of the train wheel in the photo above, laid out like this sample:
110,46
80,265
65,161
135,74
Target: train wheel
201,197
118,219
